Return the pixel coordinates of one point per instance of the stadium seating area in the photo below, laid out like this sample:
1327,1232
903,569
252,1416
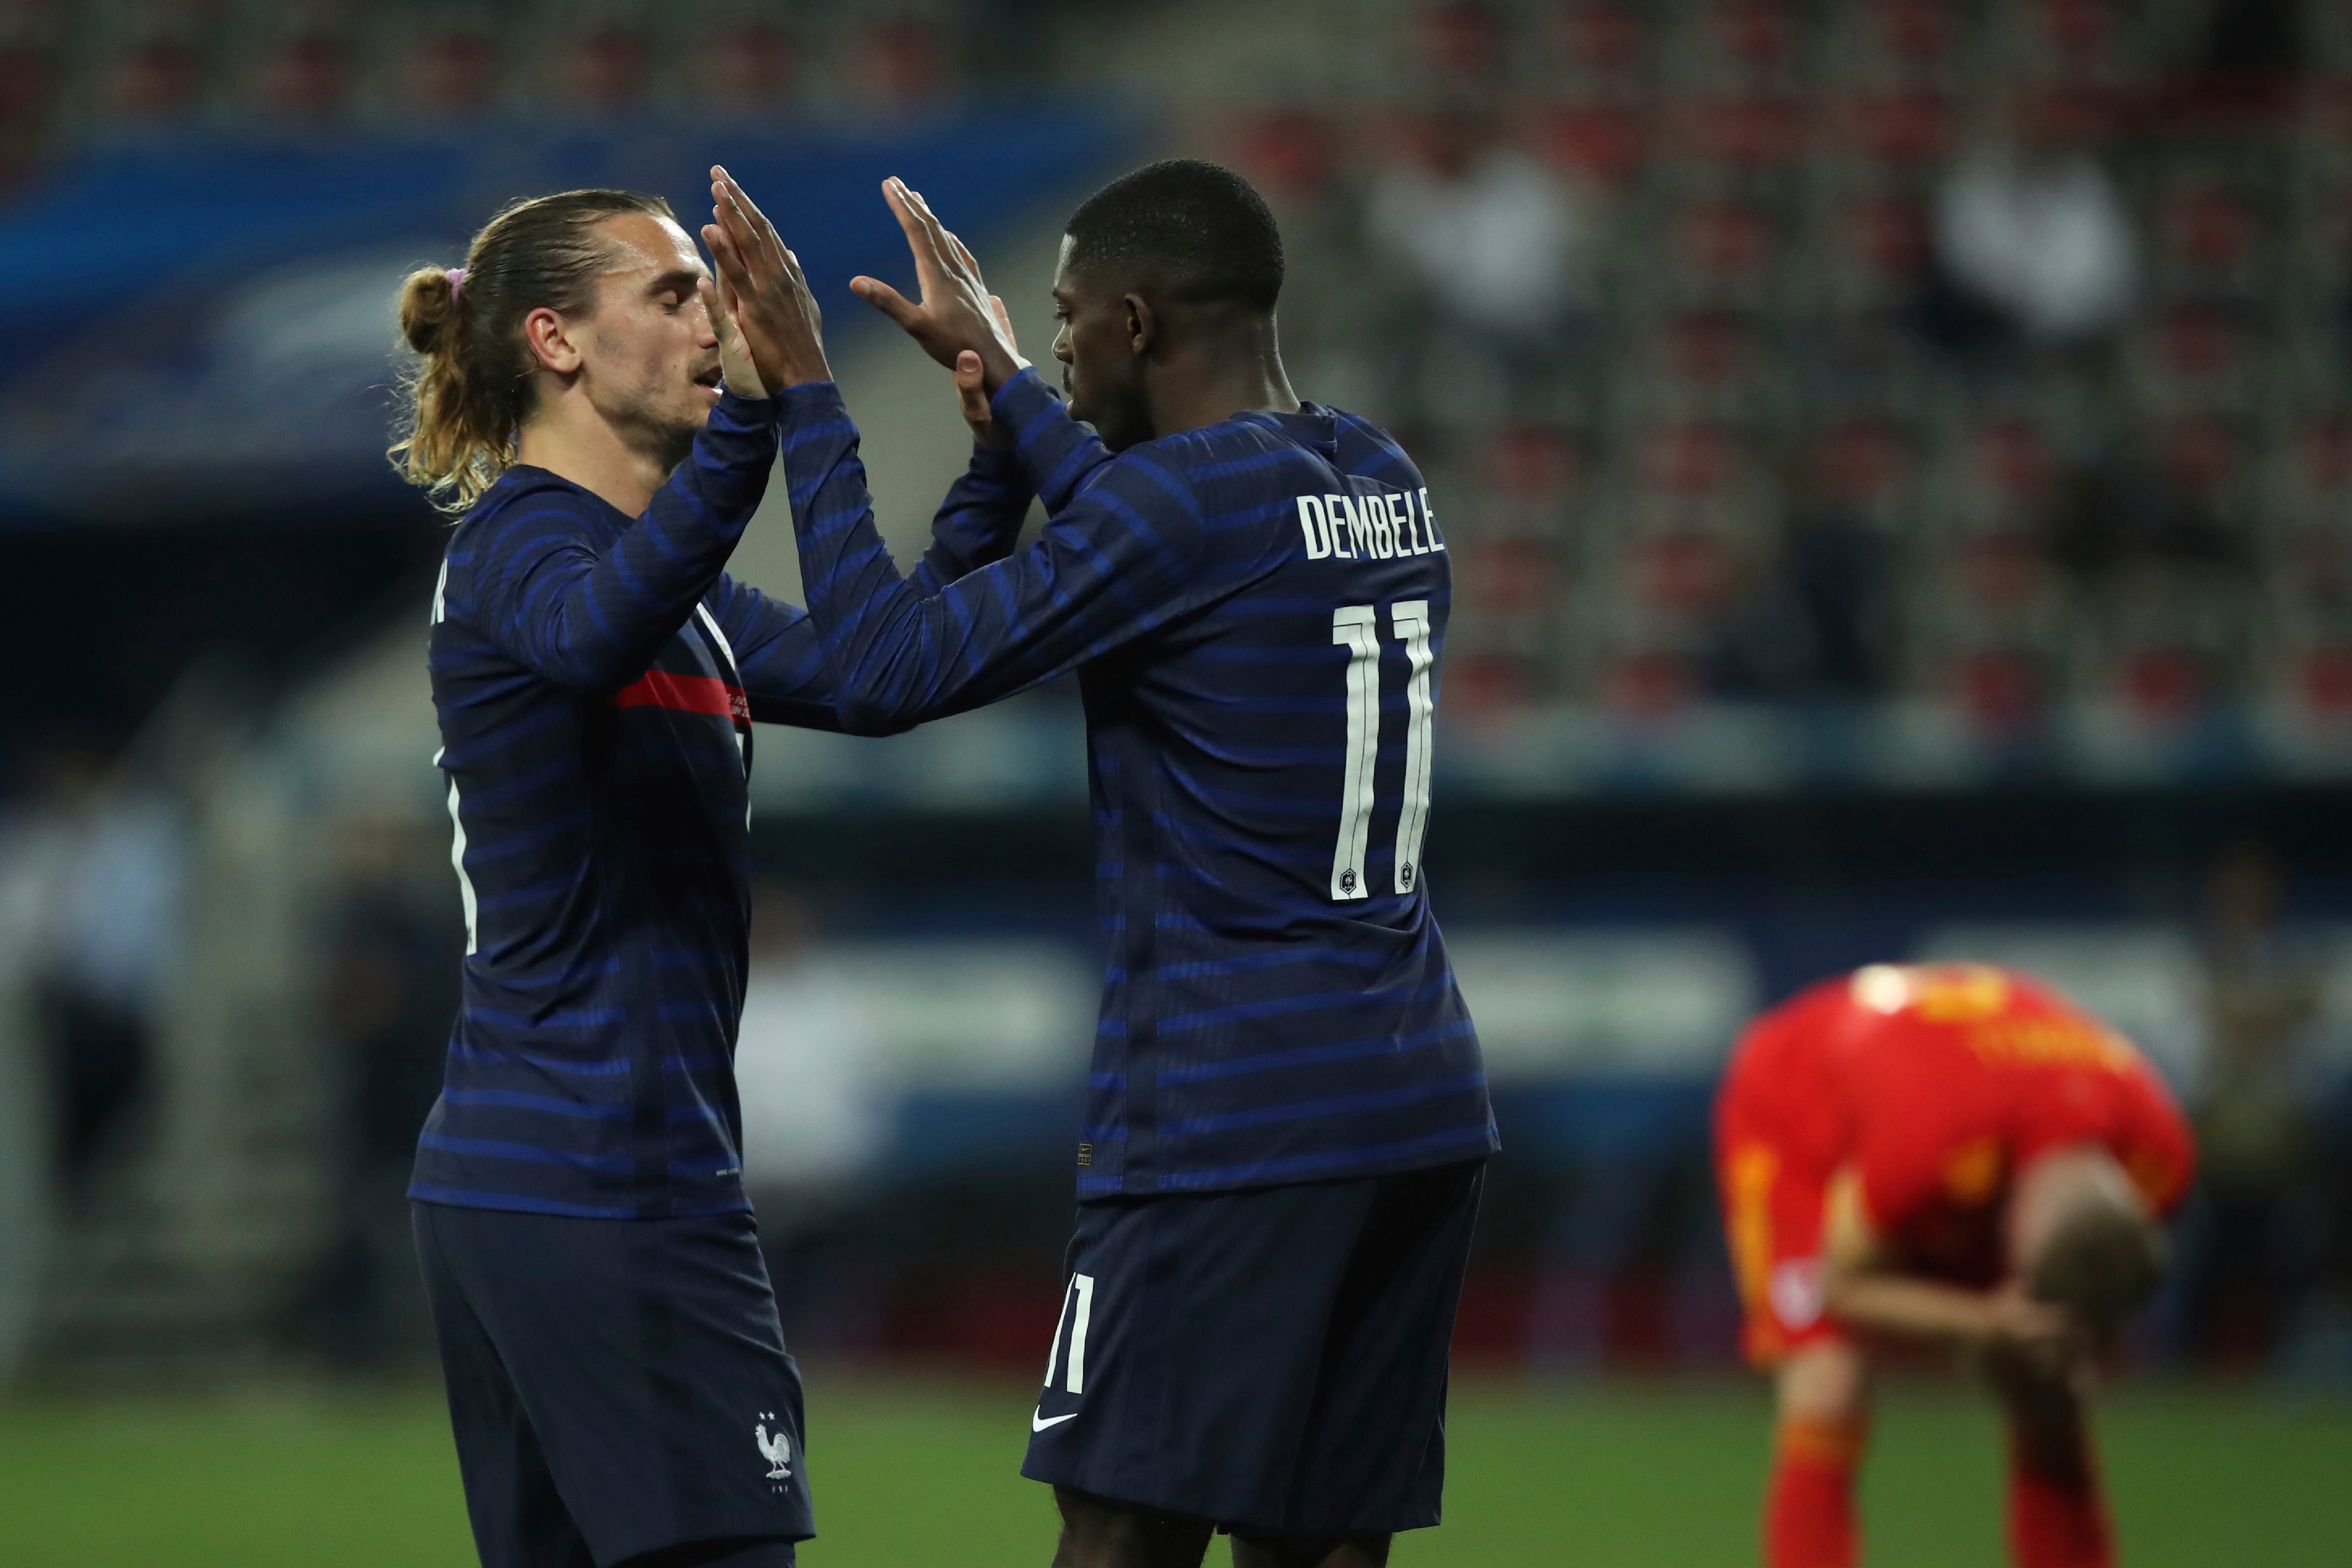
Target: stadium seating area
1987,356
74,72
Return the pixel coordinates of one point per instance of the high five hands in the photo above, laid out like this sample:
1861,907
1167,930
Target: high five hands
770,330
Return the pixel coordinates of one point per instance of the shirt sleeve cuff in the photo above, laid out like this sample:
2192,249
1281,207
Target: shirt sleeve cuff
744,413
800,405
1019,402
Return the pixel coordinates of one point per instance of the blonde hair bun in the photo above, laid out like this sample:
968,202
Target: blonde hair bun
427,306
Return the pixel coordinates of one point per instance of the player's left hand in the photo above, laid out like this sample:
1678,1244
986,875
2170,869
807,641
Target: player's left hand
762,292
956,314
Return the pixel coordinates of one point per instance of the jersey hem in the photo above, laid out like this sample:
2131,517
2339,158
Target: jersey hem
516,1203
1425,1153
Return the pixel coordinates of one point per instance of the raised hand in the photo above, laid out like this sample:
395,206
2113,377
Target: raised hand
956,314
762,291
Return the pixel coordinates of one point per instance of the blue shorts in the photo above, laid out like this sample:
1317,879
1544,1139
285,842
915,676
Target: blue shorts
1273,1360
619,1388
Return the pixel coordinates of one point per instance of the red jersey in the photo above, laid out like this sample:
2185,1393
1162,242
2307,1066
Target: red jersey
1937,1083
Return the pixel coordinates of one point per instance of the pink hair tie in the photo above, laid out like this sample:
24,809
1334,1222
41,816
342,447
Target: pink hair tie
457,276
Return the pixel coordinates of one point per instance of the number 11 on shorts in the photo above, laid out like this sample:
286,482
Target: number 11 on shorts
1082,1286
1356,627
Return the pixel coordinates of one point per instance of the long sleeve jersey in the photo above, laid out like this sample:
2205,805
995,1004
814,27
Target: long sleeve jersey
1256,611
596,678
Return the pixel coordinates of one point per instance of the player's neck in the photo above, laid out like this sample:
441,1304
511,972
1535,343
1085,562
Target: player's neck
1241,373
571,440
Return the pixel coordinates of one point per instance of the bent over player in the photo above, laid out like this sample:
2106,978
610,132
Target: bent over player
1948,1154
1287,1119
617,1379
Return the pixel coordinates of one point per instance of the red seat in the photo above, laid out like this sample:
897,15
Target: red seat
1730,241
1289,154
2210,228
1532,464
1904,129
2323,683
1650,684
901,63
606,70
1761,34
307,79
1503,579
1461,42
1915,33
2001,690
1887,236
2164,685
453,71
2200,454
1604,40
1748,130
1688,459
1684,573
1603,142
1859,463
155,81
749,65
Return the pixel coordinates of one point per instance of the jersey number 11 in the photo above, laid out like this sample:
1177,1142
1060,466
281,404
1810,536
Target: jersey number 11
1356,627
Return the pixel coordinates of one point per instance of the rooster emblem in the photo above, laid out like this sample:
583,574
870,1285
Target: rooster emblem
777,1450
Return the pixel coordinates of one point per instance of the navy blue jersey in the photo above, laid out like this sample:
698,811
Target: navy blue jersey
1256,610
596,678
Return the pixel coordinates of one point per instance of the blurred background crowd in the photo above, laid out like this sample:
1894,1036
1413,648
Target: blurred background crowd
1897,462
1981,359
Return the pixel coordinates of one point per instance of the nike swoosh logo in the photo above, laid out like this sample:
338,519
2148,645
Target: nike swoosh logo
1038,1423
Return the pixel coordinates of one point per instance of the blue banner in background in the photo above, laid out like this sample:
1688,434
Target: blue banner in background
204,330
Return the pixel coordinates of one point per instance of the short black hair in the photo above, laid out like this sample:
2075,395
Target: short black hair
1198,227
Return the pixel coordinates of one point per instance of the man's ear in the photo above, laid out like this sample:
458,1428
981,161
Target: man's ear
1142,325
547,338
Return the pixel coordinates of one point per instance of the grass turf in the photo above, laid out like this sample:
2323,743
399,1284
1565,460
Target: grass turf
910,1472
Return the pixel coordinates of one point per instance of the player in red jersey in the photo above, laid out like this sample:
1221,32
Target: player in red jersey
1947,1154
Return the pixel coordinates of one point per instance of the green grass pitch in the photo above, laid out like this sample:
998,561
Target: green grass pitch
910,1471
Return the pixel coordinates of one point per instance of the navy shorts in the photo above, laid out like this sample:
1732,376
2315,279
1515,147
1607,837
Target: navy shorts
619,1388
1273,1360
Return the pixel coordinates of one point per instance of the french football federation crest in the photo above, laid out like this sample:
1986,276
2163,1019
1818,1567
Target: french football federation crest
777,1450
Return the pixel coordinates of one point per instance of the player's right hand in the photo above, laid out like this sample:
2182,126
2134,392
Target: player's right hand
956,314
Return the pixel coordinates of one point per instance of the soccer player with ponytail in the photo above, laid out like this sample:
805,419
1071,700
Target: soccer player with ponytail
602,419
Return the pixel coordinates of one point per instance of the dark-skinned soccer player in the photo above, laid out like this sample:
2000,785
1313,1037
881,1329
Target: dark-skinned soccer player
1944,1154
1286,1119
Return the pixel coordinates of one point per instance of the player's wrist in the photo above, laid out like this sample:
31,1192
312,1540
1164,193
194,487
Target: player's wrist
807,370
998,364
806,401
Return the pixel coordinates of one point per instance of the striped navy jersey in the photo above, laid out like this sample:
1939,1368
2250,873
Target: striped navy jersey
596,678
1256,611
